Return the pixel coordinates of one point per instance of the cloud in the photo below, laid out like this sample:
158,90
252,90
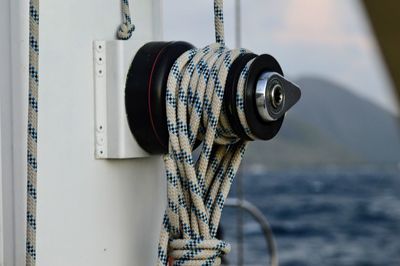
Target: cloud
319,22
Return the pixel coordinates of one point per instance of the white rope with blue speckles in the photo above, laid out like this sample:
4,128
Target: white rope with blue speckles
32,132
126,28
197,190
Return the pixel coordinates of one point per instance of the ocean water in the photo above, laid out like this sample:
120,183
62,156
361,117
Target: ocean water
322,217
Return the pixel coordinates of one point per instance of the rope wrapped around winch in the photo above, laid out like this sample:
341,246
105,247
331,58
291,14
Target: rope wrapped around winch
197,190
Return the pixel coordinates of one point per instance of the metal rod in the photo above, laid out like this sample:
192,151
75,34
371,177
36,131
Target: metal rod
240,220
239,177
262,220
238,24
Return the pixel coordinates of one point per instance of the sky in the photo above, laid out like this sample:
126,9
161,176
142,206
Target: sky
331,39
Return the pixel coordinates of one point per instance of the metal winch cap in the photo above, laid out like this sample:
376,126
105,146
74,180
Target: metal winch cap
275,95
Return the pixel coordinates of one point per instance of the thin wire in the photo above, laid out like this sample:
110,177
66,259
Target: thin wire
239,176
238,24
240,218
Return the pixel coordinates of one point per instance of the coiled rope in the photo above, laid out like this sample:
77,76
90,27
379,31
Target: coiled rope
197,190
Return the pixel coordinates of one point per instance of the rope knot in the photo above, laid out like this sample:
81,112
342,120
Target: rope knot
198,251
125,31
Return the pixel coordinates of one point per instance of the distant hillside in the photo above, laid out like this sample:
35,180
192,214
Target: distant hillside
330,125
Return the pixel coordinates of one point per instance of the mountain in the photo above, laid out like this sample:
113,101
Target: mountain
331,125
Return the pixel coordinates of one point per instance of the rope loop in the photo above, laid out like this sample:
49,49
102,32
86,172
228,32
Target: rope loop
125,31
127,27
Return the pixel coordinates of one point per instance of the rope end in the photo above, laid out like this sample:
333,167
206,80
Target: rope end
125,31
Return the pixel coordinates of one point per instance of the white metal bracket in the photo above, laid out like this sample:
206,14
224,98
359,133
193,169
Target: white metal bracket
113,139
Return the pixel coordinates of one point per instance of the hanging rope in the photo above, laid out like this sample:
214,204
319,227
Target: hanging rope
32,132
126,28
197,190
124,32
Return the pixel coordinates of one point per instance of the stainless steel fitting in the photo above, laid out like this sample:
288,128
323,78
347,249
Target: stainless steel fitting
275,95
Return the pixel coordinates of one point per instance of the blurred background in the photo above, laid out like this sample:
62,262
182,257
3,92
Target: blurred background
330,182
